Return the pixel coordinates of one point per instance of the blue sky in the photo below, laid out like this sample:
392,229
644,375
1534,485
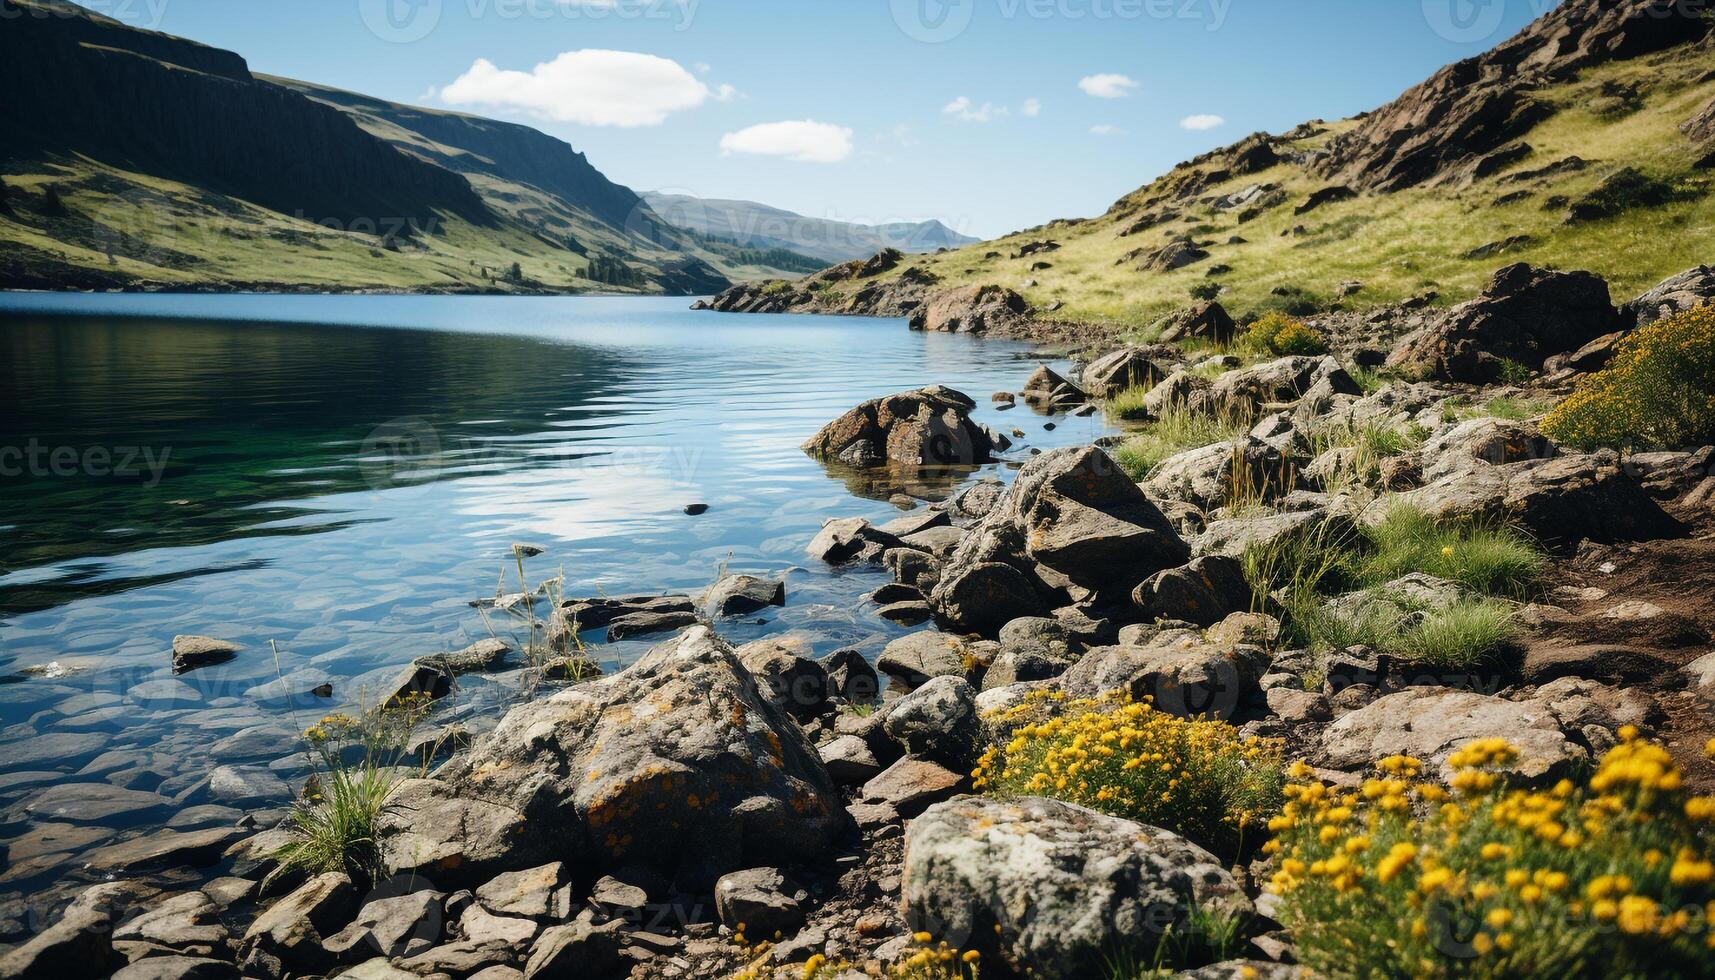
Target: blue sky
992,115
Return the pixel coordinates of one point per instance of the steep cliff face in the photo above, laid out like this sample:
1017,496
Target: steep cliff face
470,144
1474,107
71,82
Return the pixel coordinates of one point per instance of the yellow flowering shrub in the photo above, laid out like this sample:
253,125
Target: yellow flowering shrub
1200,779
1611,876
926,962
1282,335
1659,390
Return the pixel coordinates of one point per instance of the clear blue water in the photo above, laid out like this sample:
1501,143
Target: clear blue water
342,475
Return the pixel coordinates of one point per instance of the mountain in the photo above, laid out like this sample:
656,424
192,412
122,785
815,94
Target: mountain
135,159
1587,141
760,226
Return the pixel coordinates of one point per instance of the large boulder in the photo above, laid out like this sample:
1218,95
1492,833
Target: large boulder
682,762
1072,518
1431,723
1052,890
1116,371
1204,592
1212,476
1183,674
1282,381
1560,501
79,944
1203,321
1485,441
928,427
291,931
1525,315
971,309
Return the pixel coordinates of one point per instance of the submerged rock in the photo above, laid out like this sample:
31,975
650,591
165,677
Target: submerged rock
191,652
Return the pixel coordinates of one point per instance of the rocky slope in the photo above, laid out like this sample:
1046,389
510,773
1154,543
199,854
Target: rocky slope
1575,145
759,226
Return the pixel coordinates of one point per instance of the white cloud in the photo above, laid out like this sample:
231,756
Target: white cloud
1031,108
1105,130
803,140
1201,122
1107,86
963,109
592,86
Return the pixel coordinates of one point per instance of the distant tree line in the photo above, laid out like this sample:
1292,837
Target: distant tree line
612,272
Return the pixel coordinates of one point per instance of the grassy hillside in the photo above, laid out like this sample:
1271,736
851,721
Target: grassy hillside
1399,245
133,159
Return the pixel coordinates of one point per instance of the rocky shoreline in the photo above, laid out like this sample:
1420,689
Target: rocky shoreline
715,811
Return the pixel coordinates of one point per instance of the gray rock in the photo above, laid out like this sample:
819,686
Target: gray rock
1185,676
850,761
915,569
1233,537
178,968
50,749
1053,890
533,893
919,657
179,923
938,721
851,677
929,427
761,900
1676,294
1204,592
480,657
679,763
164,849
191,652
794,682
93,803
461,959
850,539
304,684
646,623
1213,476
478,925
292,929
1432,723
1479,442
736,595
241,785
575,951
422,679
428,831
79,944
1072,517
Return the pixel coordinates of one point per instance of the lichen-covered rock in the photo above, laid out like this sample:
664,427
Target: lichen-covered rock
1430,724
928,427
682,762
1053,890
1476,442
1676,294
938,721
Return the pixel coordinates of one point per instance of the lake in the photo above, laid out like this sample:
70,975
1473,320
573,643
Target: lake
329,481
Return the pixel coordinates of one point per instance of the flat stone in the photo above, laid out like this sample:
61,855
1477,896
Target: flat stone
395,926
246,784
51,748
93,803
299,684
527,893
165,848
910,786
191,652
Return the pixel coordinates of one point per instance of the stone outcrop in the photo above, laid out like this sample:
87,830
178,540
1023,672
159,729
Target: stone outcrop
1525,315
1475,107
971,309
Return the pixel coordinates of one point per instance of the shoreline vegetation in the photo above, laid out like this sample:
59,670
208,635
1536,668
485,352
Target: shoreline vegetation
1380,643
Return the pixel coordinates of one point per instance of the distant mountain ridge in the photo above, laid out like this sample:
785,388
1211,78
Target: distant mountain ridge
756,225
